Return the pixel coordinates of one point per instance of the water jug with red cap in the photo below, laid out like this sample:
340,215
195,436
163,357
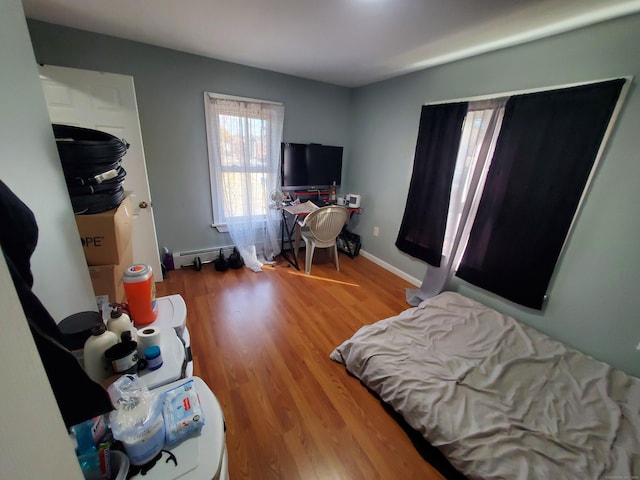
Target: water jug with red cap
140,291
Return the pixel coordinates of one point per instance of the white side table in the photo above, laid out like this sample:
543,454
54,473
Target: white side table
201,457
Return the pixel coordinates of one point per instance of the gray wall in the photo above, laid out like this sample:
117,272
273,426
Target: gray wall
594,303
169,89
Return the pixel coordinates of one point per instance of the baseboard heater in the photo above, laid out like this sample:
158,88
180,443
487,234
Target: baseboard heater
193,257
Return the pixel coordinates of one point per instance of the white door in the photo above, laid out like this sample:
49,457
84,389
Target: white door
107,102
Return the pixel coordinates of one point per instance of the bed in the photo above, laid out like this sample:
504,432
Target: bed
496,397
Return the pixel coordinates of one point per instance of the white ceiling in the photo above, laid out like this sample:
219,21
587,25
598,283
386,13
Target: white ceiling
345,42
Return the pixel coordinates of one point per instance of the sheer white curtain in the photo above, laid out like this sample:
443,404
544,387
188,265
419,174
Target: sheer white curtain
478,141
244,158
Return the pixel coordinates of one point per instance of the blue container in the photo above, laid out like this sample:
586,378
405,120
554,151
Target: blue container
153,356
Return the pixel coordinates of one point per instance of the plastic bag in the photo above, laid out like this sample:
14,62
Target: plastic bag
137,420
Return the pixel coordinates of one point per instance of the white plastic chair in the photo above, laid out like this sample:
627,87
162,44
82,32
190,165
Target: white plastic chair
324,225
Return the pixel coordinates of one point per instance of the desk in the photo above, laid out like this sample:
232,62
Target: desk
290,216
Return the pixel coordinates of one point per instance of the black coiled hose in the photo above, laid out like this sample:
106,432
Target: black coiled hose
76,188
91,161
84,146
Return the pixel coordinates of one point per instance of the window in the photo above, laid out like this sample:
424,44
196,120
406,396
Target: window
479,134
244,155
244,138
509,195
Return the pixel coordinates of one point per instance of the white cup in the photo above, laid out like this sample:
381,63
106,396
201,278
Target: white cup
341,201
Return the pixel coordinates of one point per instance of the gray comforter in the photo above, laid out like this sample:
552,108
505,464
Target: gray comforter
498,398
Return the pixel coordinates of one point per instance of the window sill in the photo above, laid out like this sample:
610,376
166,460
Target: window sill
221,227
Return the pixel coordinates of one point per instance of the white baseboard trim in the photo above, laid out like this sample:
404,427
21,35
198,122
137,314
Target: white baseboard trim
185,259
391,268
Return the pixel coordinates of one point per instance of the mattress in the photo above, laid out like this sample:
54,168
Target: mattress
498,398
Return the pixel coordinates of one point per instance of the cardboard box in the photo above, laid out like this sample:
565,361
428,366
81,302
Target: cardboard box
107,279
105,236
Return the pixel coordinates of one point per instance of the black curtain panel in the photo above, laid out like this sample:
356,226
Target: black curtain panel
425,215
544,155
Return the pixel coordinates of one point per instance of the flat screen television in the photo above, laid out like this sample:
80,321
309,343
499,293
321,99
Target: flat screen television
310,166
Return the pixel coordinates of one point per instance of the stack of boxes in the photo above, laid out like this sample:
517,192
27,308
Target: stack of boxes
108,247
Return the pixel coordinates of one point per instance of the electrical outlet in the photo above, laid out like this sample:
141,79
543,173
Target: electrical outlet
376,231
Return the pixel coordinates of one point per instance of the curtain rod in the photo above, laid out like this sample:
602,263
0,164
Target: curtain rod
491,96
240,99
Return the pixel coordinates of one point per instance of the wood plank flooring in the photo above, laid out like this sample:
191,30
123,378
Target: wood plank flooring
262,341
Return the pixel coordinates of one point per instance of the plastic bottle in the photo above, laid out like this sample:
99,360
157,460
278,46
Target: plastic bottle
119,323
94,362
141,294
153,356
333,192
168,259
86,451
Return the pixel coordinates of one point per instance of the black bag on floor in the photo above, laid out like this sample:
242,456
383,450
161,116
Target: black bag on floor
349,243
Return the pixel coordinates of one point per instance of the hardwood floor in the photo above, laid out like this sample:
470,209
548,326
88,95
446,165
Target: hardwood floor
262,341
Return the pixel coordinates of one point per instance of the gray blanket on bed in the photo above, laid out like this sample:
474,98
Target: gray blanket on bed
498,398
